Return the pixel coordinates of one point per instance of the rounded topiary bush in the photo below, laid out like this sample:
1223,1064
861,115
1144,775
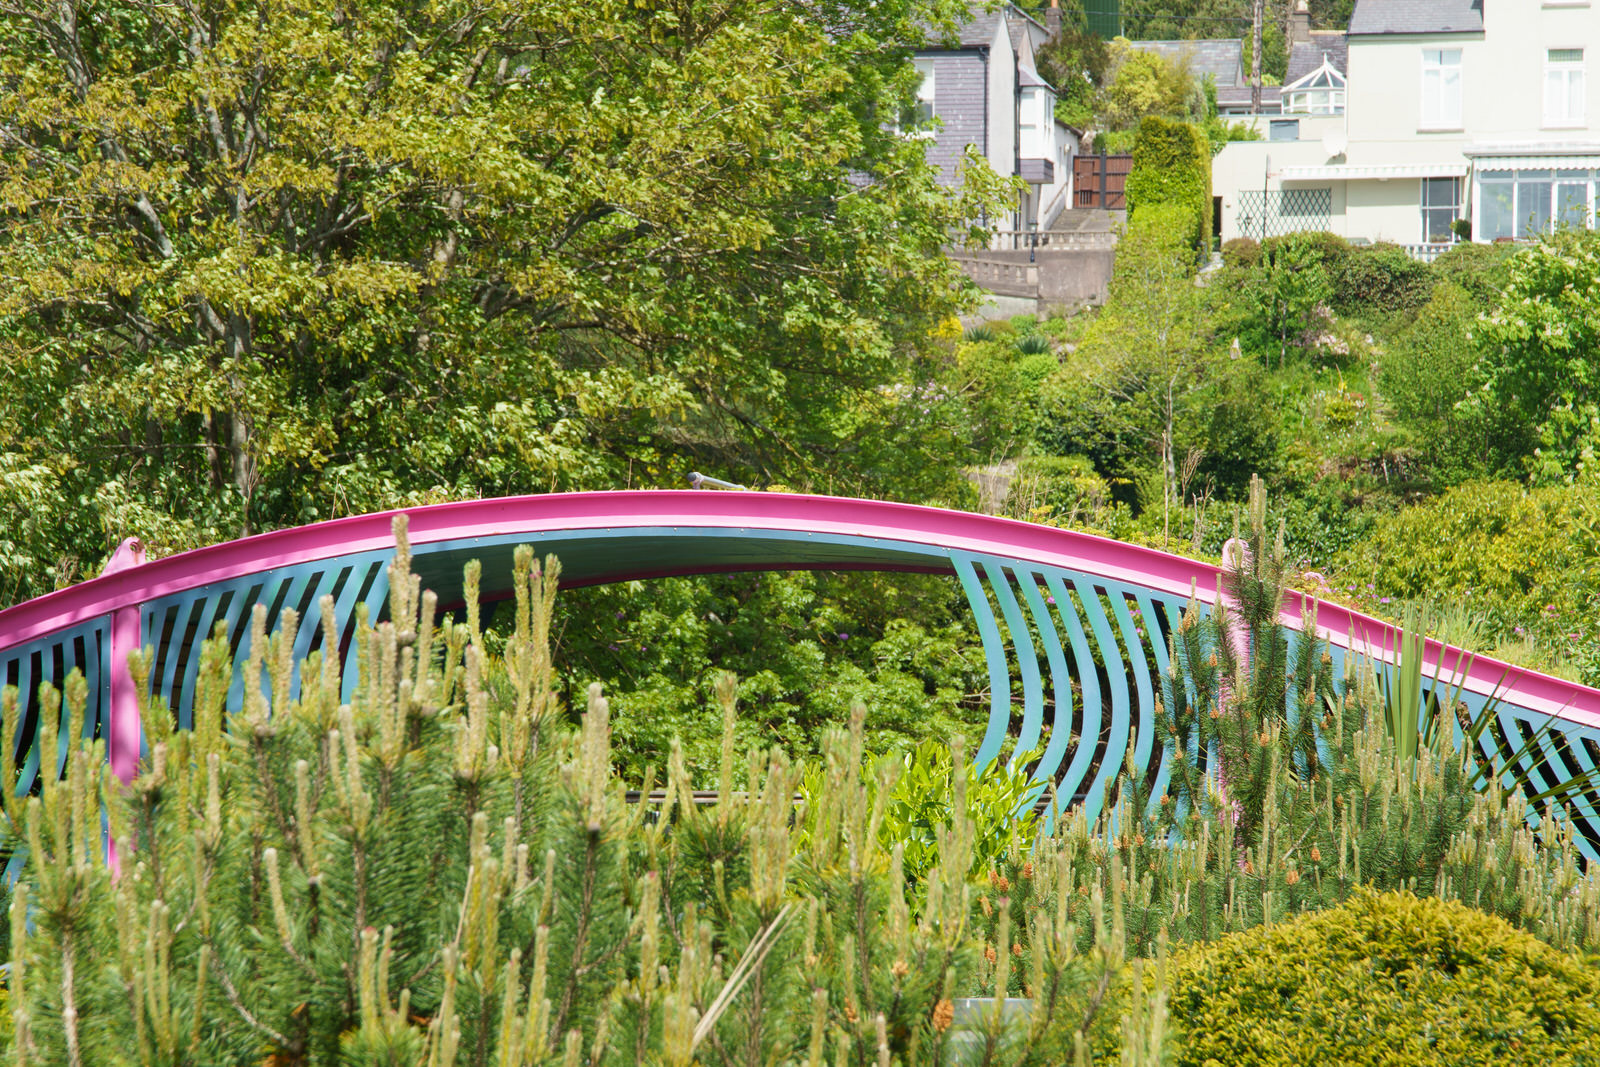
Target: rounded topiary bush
1241,253
1385,979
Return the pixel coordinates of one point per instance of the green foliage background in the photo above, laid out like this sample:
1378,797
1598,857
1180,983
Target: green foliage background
264,266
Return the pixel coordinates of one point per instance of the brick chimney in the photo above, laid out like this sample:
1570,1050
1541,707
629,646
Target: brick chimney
1052,19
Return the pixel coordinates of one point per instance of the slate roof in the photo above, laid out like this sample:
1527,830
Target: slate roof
1236,96
1417,16
979,29
1306,56
1219,58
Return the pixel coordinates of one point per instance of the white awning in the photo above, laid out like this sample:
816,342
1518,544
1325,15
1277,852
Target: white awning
1537,162
1346,172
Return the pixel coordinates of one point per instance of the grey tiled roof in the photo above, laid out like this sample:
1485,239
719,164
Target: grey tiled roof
1220,58
979,29
1239,96
1417,16
1306,56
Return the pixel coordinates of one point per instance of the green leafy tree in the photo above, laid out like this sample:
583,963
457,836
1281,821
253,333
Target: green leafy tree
1141,392
1541,355
264,265
1142,84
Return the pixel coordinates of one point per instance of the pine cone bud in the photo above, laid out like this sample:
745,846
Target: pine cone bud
988,953
1292,877
944,1014
1316,854
988,909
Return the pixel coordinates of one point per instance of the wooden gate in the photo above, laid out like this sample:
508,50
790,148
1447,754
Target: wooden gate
1099,181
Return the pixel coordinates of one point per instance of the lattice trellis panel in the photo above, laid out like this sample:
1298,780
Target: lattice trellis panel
1275,212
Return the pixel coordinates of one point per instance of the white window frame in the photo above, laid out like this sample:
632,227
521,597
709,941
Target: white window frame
1440,99
1564,85
1321,92
1428,207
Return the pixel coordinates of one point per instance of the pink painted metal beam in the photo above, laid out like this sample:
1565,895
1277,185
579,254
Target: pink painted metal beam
122,590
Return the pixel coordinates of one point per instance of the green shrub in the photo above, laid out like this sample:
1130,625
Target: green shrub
1033,344
1292,286
1327,250
922,803
1480,269
1241,253
1524,558
1385,979
1381,277
1429,370
1054,489
1172,165
1542,354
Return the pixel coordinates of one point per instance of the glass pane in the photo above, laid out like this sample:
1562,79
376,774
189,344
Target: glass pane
1572,205
1450,104
1496,217
1574,96
1436,224
1566,55
1533,208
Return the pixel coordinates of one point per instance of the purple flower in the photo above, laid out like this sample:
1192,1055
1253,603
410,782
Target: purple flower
1049,600
1383,600
842,636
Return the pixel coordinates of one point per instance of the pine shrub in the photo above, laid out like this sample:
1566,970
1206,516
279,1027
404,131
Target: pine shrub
440,872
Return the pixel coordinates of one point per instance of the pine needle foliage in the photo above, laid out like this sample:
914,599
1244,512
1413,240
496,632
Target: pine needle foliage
441,872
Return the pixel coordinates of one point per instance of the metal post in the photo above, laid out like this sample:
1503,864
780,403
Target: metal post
1102,175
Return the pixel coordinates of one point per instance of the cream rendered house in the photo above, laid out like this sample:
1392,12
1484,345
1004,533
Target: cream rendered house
1474,109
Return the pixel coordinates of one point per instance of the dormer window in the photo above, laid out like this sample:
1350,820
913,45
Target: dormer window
1319,93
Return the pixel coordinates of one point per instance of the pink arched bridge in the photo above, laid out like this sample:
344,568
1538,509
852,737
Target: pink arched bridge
1074,627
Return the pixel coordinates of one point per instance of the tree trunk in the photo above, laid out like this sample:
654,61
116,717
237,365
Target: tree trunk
1257,16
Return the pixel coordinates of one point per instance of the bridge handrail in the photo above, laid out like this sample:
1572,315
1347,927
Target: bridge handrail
755,511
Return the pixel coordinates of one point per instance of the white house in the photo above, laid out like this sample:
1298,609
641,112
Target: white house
984,91
1474,109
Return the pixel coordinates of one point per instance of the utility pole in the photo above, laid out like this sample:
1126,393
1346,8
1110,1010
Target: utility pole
1257,14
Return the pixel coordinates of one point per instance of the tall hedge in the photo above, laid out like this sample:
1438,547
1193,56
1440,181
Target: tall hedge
1172,165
